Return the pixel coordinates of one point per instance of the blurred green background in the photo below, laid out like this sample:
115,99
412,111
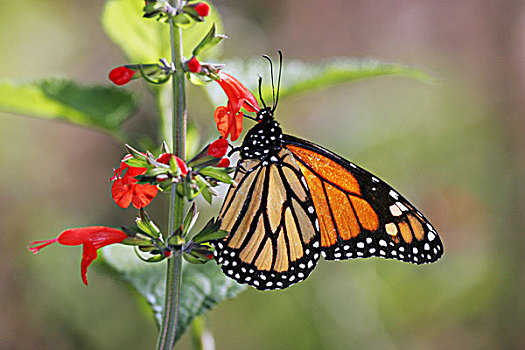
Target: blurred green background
455,149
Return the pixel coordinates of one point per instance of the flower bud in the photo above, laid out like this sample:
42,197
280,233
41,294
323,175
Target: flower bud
121,75
224,163
194,65
218,148
202,9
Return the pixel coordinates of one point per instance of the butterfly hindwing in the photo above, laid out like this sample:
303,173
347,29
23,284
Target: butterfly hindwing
360,215
273,239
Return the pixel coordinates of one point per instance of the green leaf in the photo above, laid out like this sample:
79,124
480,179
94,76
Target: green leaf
100,107
220,174
210,40
203,286
210,232
145,40
298,77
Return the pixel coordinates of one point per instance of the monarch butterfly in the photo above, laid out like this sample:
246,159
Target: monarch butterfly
295,201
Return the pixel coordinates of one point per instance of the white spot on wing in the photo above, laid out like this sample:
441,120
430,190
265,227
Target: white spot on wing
402,206
394,209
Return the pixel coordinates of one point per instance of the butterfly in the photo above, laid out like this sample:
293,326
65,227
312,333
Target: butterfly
294,201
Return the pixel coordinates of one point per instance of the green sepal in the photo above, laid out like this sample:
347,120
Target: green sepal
203,159
220,174
194,259
138,163
204,188
176,238
210,40
210,232
143,242
137,235
190,219
152,161
145,224
183,21
198,79
159,73
207,194
153,6
157,171
146,249
136,154
153,259
165,185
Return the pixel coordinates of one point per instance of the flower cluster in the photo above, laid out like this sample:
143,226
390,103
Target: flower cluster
141,176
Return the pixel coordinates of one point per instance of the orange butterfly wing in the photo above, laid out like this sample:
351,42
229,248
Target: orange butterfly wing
359,215
273,239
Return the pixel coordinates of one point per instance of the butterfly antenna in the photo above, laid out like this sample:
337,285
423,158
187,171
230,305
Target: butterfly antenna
271,74
260,91
278,79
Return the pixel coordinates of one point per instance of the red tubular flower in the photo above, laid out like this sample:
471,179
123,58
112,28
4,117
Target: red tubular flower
194,65
224,163
202,9
218,148
165,159
92,238
229,118
121,75
125,189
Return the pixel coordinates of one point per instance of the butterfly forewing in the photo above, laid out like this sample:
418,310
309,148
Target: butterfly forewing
273,239
359,215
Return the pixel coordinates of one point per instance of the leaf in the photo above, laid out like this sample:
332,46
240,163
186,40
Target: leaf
220,174
145,40
203,286
298,77
100,107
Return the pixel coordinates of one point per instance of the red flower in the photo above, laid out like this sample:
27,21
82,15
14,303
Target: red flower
202,9
165,159
121,75
218,148
125,189
224,163
194,65
92,238
229,118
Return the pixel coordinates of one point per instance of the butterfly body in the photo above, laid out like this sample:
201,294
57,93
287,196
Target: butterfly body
295,201
264,138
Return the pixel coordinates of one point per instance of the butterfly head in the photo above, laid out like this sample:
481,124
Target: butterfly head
264,115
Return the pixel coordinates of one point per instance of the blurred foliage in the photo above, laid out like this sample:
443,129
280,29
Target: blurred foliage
300,77
203,286
104,108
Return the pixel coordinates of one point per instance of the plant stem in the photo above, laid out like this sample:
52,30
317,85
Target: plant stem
168,330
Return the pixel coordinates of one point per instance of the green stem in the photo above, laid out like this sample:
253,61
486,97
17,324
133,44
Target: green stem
168,330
